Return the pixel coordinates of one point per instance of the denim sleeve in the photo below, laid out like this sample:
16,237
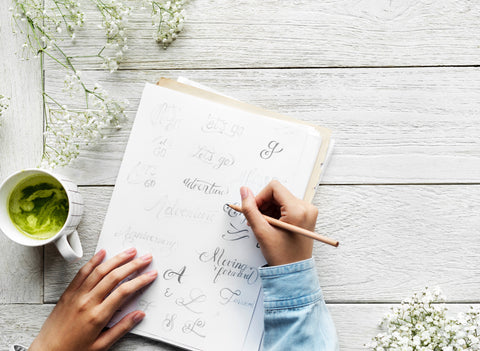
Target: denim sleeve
296,317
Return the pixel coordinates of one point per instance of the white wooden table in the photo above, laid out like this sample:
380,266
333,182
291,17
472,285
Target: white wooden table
397,81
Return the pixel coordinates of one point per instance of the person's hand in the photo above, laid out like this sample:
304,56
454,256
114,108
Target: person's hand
87,305
279,246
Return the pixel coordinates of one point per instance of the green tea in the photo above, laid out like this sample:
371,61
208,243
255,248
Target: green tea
38,206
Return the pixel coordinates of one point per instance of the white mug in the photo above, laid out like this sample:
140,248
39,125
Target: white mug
66,240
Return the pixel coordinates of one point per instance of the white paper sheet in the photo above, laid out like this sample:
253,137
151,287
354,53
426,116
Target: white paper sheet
186,158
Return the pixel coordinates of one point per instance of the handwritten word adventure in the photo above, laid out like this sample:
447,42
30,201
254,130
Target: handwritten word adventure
204,186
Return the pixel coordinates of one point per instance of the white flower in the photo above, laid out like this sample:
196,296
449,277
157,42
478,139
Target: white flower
115,19
420,323
3,104
168,19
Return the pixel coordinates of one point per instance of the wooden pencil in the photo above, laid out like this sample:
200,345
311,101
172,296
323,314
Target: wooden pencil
293,228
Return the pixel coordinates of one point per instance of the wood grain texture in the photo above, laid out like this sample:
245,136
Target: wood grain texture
394,240
356,324
417,125
21,140
301,33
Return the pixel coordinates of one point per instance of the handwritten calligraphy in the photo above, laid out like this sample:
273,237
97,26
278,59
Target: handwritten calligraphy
160,146
204,186
210,157
227,295
236,232
227,267
230,211
132,236
193,327
273,147
164,207
143,173
170,274
145,305
164,116
221,126
191,303
169,321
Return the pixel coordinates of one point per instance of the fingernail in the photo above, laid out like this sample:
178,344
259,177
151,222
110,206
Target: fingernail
99,253
152,273
244,192
130,251
137,318
147,257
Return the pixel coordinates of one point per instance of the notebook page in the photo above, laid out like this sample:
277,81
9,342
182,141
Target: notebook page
186,158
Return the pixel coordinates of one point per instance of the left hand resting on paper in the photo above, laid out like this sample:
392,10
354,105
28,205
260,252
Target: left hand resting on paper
87,305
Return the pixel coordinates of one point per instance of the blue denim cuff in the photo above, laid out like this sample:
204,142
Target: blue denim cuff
292,285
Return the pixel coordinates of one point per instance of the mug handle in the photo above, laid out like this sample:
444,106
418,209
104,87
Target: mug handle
71,250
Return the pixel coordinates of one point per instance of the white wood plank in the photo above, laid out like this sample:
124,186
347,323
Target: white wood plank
394,240
356,325
21,143
304,33
390,125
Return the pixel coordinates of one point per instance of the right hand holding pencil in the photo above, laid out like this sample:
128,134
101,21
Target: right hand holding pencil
279,246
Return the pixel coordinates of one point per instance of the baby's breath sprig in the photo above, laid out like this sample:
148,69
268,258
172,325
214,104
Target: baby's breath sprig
115,19
421,324
3,104
65,127
44,21
168,17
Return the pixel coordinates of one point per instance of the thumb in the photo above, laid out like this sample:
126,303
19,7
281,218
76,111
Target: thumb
250,210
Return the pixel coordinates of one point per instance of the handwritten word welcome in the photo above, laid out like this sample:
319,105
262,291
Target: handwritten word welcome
164,207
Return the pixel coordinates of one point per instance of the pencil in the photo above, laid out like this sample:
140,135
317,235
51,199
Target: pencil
293,228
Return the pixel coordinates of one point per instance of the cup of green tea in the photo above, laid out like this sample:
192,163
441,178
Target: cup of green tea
38,207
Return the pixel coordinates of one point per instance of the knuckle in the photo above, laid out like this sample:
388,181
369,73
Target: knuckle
83,303
298,213
123,290
100,271
85,270
274,183
313,211
116,276
96,319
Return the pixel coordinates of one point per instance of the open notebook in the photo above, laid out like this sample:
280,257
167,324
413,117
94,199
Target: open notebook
189,152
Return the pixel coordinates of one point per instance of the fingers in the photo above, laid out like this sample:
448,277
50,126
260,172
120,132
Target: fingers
123,292
86,270
251,211
112,279
109,337
106,267
274,192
